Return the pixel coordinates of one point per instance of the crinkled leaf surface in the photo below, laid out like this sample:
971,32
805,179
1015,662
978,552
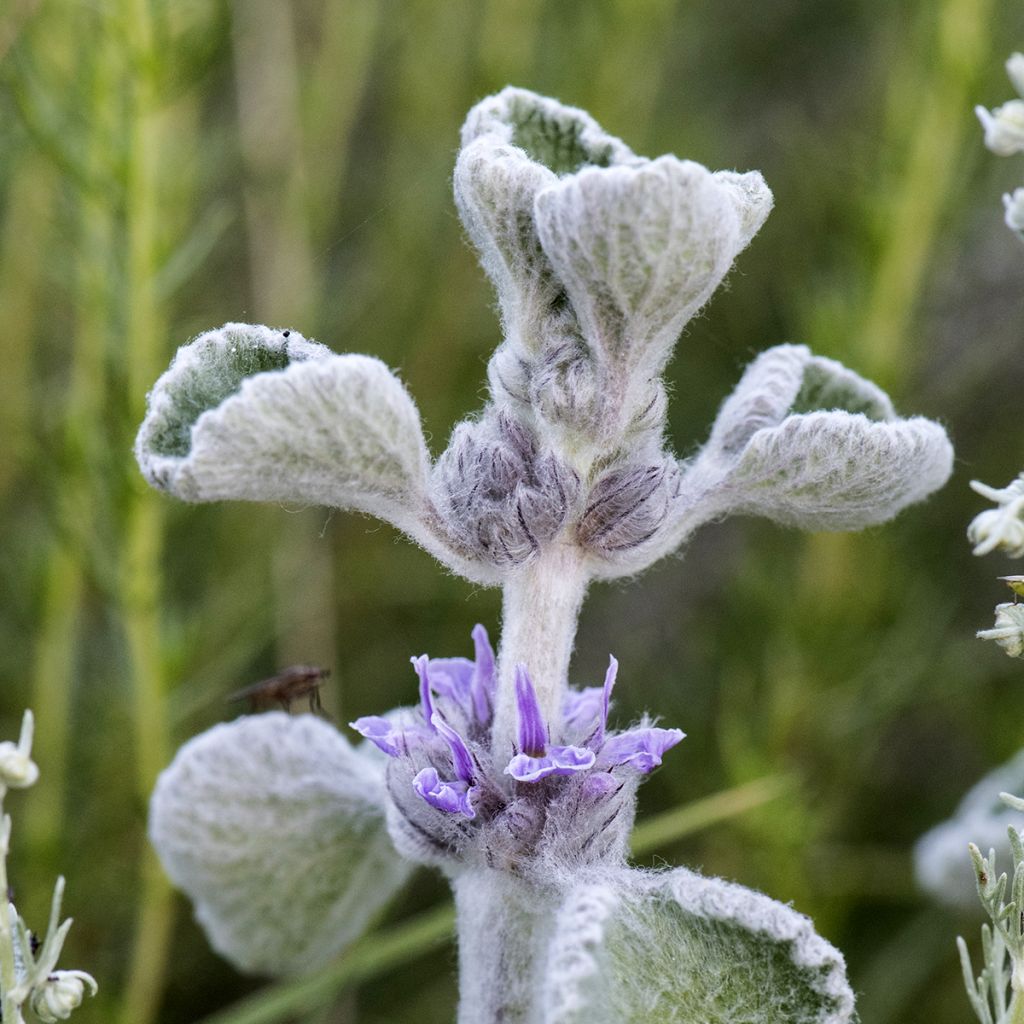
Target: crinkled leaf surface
641,248
514,144
678,948
274,826
806,442
245,412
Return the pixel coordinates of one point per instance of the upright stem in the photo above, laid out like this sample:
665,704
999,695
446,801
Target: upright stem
541,606
502,925
140,581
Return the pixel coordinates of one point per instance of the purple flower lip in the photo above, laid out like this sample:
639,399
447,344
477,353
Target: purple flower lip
640,749
533,733
454,797
382,733
557,761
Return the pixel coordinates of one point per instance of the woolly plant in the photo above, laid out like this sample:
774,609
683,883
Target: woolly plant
511,782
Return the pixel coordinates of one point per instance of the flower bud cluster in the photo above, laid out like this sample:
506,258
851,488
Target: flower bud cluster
60,994
502,496
1008,630
51,994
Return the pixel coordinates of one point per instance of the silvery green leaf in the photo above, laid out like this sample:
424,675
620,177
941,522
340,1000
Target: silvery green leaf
641,248
495,186
790,379
274,827
678,948
513,145
838,471
808,443
561,138
941,863
247,412
803,441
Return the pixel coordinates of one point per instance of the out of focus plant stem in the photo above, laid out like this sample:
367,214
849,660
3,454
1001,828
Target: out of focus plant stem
53,676
141,577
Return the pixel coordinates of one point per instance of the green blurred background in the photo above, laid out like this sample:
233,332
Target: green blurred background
168,166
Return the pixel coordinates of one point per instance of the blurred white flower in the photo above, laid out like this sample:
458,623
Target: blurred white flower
1014,203
1004,127
61,994
1000,527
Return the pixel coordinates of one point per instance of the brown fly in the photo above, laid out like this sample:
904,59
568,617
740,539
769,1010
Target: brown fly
290,684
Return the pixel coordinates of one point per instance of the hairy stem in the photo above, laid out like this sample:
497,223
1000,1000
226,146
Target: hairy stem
501,925
539,613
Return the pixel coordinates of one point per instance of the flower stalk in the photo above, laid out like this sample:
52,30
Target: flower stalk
540,609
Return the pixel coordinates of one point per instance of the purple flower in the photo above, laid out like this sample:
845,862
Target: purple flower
453,797
536,760
444,745
640,749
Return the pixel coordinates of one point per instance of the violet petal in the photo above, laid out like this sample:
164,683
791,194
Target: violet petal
453,797
462,760
557,761
452,678
581,710
638,748
533,734
422,666
382,733
483,681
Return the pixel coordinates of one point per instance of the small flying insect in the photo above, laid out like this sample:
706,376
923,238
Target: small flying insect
1016,584
290,684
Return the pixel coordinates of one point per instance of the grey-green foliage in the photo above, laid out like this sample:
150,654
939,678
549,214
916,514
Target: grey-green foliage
600,258
274,826
679,948
215,371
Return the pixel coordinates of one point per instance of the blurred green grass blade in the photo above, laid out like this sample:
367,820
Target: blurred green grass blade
913,212
29,199
190,257
389,948
368,958
903,966
671,826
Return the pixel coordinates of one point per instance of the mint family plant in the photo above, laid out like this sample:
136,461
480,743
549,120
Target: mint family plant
287,837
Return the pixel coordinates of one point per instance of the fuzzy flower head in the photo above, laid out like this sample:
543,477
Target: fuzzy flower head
453,798
1008,631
